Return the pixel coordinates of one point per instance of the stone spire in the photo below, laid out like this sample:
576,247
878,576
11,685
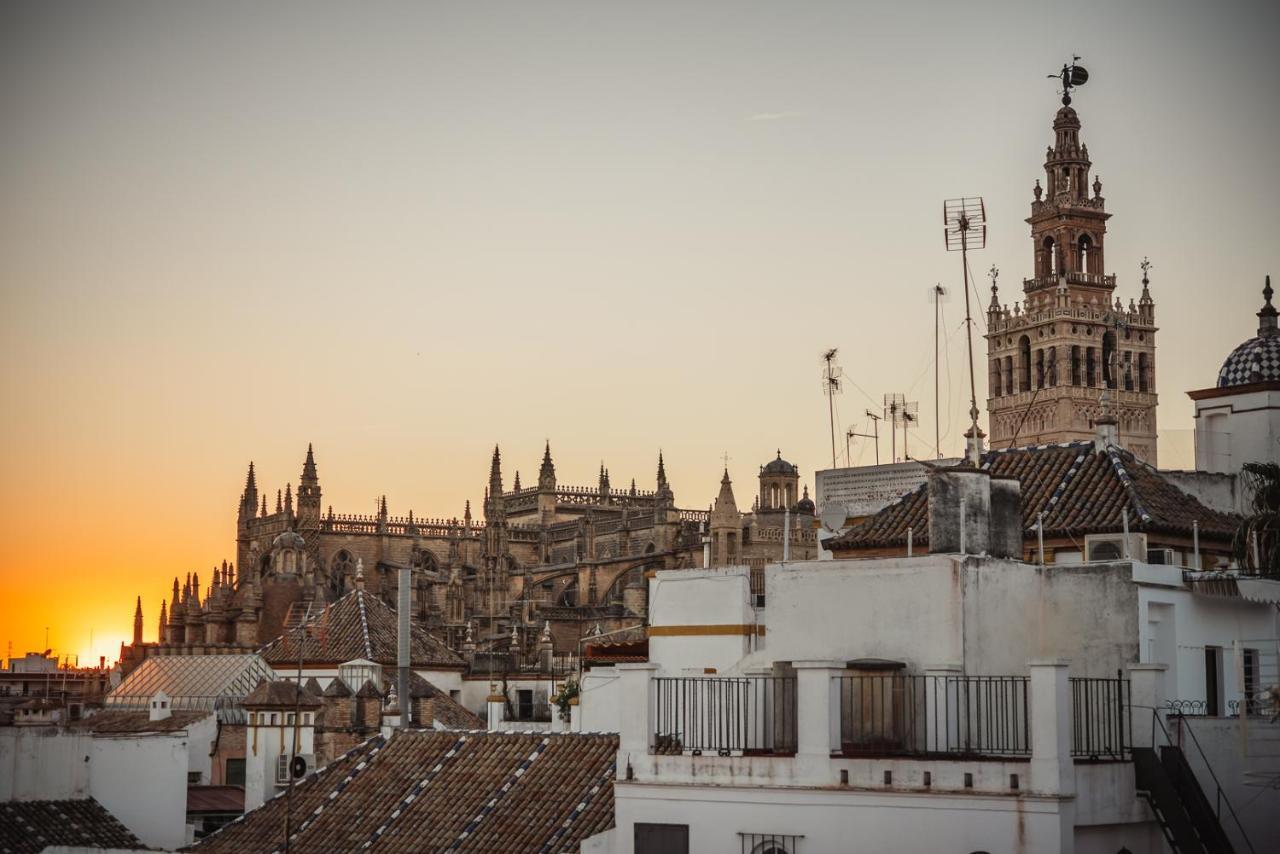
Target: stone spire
1267,314
495,473
547,473
264,505
249,498
288,499
137,622
164,621
725,502
516,485
309,488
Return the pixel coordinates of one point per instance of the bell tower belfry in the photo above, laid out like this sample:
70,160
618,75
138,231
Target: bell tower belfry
1071,349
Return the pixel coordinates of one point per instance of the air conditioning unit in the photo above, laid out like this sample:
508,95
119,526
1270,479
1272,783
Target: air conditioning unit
302,765
1162,557
1103,547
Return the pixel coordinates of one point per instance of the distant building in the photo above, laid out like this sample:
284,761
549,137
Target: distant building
1053,355
864,490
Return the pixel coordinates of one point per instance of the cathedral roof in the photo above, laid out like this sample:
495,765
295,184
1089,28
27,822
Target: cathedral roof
564,795
1079,489
1258,359
358,625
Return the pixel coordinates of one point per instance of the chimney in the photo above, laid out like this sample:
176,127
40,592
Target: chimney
161,707
1108,431
959,511
403,587
1006,517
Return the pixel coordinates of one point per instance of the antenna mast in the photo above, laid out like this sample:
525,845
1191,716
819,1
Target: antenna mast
831,387
964,228
936,295
875,423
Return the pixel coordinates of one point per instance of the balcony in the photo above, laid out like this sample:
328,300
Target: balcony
815,723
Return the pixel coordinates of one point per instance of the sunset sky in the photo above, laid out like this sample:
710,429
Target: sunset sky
405,232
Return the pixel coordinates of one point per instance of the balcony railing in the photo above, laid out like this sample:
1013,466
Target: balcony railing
1100,725
904,715
747,715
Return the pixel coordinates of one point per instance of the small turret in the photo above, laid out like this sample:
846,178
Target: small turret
137,622
1267,314
547,473
515,487
164,622
249,498
309,488
288,499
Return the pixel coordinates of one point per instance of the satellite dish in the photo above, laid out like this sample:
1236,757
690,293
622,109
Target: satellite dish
833,516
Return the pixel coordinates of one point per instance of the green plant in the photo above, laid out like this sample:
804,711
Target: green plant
568,691
1257,540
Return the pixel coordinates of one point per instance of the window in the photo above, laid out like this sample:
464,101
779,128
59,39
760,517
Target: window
1143,369
1008,375
235,772
289,719
1251,681
1212,680
274,719
1108,350
1024,363
193,778
1086,254
1090,367
661,838
524,704
1039,368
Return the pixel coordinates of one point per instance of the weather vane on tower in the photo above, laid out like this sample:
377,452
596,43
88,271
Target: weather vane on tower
1071,76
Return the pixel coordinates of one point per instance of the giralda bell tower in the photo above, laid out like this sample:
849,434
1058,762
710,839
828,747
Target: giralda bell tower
1071,354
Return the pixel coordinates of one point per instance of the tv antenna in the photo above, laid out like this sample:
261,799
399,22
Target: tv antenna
964,228
1071,76
831,380
899,411
937,295
875,423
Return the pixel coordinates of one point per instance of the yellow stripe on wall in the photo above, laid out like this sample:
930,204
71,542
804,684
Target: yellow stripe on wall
704,631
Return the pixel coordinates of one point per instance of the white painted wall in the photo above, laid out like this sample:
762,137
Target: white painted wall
1175,619
269,735
143,782
693,601
43,763
1237,429
1233,759
832,820
599,699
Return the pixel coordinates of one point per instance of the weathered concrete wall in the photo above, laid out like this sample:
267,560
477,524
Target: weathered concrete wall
43,763
956,493
701,618
1240,766
1006,517
599,701
143,782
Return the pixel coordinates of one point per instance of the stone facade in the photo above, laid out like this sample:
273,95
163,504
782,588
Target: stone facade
567,561
1071,347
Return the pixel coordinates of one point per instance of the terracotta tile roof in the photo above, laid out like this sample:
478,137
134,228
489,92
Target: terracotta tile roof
32,826
443,707
1080,490
280,692
218,799
358,625
112,722
427,791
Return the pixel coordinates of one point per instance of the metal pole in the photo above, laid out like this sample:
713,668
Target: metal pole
1124,516
786,535
831,410
876,424
1040,534
937,407
1195,541
909,533
968,330
403,584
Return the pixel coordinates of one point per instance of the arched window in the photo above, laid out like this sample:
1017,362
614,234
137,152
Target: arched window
1039,368
1144,367
1008,375
1091,367
1075,364
995,380
1108,349
1024,363
1048,258
1051,368
1084,254
1128,370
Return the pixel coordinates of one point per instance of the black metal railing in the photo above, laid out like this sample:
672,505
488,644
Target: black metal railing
725,715
1100,724
766,843
904,715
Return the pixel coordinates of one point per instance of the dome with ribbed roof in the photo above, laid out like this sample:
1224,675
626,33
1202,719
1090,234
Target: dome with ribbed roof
780,466
1258,359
